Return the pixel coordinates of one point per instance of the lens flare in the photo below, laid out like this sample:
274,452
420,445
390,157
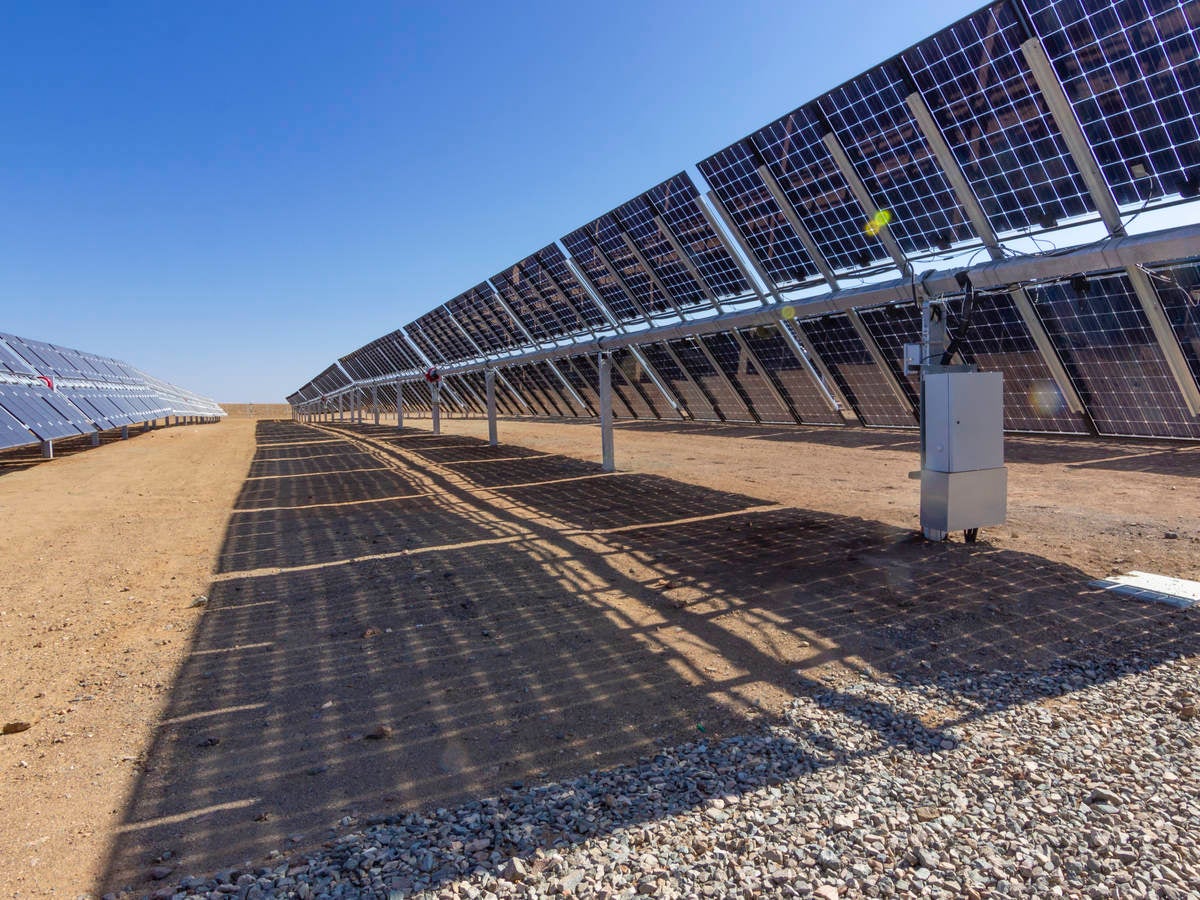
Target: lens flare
877,222
1045,398
788,312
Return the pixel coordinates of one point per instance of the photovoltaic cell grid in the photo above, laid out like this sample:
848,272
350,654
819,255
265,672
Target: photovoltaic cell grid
981,91
606,233
892,327
726,401
637,219
567,321
48,416
589,374
860,380
530,309
489,308
677,202
562,281
641,394
747,377
690,396
331,380
598,271
421,341
588,390
791,376
1179,291
469,319
733,175
796,156
1109,349
877,130
1129,70
999,341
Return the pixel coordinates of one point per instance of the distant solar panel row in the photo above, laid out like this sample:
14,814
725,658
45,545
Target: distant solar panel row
1023,117
49,392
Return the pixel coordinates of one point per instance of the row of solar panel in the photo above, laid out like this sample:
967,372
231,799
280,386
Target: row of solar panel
54,392
1098,328
799,191
972,101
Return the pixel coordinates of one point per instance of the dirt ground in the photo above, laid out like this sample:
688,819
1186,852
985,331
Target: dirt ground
396,620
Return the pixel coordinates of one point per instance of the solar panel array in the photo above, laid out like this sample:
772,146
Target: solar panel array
1025,118
50,392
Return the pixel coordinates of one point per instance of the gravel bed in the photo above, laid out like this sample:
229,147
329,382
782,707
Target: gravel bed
1078,781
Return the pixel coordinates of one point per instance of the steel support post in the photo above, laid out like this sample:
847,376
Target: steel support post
490,380
399,404
435,391
124,432
608,462
95,439
47,449
375,403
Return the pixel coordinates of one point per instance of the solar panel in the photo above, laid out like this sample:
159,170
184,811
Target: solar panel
1178,290
678,203
892,327
876,128
589,389
330,380
637,218
733,175
791,377
631,380
981,91
747,378
690,396
1108,347
548,271
606,233
1129,70
554,386
530,308
999,340
795,154
422,342
11,362
730,406
48,417
864,385
595,267
12,432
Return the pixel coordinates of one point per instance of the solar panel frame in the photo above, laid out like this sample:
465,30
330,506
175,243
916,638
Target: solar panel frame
637,219
1110,351
1129,72
879,134
549,271
606,233
859,379
732,173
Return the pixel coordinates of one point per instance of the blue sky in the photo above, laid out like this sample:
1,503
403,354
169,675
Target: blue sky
230,196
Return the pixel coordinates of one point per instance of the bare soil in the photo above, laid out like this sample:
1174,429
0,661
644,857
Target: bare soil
396,620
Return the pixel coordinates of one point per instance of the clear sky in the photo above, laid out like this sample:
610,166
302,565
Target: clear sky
232,195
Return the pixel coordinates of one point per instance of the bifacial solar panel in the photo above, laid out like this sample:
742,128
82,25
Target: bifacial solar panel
727,402
864,385
795,154
690,395
548,389
553,384
598,271
549,271
1178,290
892,327
589,374
48,416
733,175
790,375
678,203
637,388
637,218
1129,71
1108,347
11,361
746,376
582,386
999,341
449,336
881,137
12,432
530,308
982,94
421,341
330,380
468,388
607,234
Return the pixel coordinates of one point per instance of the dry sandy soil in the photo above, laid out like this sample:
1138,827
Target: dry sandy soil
396,620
